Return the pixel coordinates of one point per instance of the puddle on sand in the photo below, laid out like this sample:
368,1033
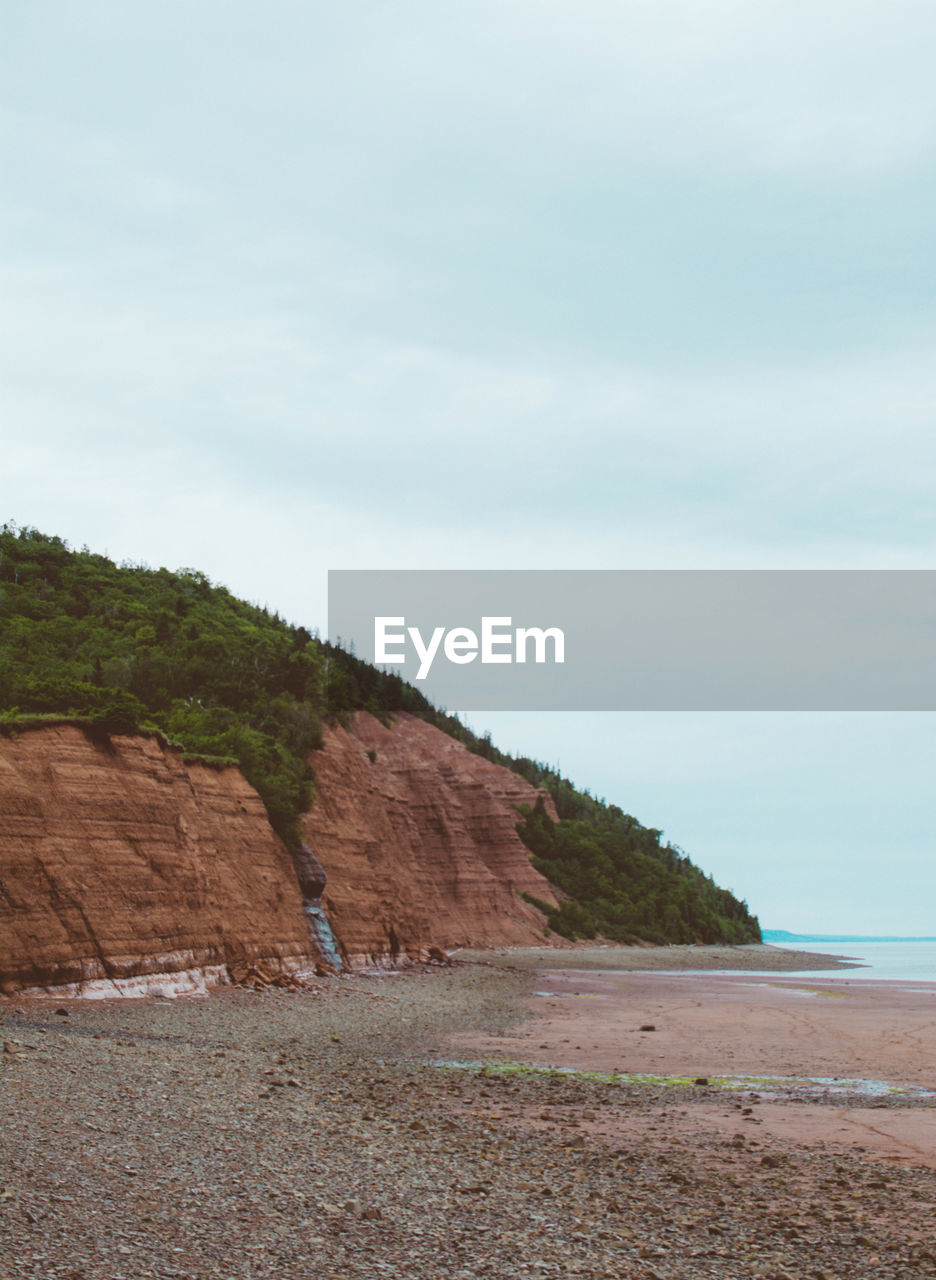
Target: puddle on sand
571,995
764,1086
821,993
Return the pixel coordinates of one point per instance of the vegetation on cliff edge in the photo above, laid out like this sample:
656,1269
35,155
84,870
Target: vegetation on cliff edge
124,648
621,883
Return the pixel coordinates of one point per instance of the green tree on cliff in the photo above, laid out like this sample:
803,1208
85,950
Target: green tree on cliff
124,648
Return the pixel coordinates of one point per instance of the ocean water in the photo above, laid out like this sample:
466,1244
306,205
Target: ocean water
899,960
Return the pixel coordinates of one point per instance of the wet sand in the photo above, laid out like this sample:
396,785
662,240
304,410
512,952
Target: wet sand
713,1026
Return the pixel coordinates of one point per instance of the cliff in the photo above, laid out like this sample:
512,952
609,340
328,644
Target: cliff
124,869
419,843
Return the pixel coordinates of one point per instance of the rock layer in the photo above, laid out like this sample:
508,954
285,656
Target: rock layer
118,861
125,870
419,843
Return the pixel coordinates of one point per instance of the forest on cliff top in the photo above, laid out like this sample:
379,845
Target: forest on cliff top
127,648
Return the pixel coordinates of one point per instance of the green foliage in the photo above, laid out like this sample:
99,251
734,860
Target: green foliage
121,649
620,882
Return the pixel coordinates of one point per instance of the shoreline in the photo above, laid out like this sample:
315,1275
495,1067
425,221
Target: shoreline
749,957
200,982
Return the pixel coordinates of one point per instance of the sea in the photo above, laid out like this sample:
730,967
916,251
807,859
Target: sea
891,959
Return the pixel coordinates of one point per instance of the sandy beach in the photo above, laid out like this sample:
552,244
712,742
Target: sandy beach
621,1019
330,1133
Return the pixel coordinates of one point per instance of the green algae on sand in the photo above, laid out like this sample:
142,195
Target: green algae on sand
799,1086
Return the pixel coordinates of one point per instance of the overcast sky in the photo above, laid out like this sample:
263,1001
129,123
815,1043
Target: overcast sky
612,284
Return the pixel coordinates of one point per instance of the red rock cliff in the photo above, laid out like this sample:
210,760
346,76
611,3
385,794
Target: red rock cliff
420,845
120,861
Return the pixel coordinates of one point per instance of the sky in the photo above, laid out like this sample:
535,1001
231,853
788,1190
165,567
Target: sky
635,284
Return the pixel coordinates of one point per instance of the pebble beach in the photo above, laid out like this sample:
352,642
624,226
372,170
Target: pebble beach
426,1124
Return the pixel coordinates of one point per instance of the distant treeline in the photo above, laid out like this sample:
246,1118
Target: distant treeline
624,885
126,648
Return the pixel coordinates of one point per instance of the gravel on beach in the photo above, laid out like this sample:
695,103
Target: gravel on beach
749,958
304,1134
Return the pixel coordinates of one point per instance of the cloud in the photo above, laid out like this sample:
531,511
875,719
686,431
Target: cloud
811,457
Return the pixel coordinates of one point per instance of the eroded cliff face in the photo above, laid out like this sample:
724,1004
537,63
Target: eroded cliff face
420,844
123,868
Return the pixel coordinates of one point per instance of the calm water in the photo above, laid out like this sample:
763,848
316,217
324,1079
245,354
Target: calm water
900,961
